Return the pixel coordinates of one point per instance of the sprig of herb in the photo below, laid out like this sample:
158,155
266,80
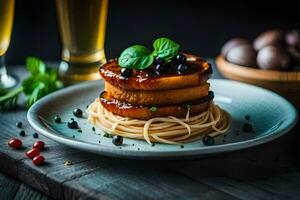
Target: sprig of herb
41,81
139,57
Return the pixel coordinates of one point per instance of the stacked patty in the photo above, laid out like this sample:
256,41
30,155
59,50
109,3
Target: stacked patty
145,94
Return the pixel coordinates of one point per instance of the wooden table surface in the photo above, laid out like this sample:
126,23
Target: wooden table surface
269,171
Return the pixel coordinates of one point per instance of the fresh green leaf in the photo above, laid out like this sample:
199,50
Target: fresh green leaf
9,99
165,48
42,81
136,57
35,65
153,109
139,57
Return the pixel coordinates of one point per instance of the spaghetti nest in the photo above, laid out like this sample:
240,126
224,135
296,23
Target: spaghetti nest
170,130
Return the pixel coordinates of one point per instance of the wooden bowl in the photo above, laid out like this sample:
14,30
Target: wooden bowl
285,83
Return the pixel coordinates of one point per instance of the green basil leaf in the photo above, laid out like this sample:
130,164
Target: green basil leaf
165,48
35,65
136,57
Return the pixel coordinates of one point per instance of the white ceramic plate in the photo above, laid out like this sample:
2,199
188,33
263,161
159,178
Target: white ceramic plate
270,115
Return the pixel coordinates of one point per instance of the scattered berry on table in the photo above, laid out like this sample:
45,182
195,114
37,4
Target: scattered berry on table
19,124
39,145
32,153
38,160
22,133
15,143
35,135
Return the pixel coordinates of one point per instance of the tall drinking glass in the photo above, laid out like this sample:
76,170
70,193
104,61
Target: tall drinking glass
82,26
6,23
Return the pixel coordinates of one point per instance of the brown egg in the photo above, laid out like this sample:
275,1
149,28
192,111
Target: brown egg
243,54
273,58
292,38
232,43
268,38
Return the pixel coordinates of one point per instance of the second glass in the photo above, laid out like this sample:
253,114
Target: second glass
82,28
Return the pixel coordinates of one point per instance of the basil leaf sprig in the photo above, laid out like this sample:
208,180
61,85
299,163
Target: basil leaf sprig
165,48
136,57
41,81
139,57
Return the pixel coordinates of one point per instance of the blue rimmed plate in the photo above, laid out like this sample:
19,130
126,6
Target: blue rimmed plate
270,115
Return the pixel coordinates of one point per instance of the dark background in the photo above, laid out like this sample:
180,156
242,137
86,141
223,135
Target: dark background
200,27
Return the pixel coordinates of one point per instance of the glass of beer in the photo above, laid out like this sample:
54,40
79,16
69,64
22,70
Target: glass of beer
6,22
82,26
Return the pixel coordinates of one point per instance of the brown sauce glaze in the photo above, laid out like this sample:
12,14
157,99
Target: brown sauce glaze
143,112
198,71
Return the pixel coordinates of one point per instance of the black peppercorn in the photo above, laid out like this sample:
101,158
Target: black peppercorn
57,119
19,124
208,140
22,133
117,140
247,128
72,124
77,112
35,135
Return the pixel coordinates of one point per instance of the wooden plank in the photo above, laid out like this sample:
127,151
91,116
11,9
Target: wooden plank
93,176
282,186
117,182
8,187
27,193
239,189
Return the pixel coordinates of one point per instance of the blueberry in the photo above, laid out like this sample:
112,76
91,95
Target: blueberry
72,124
19,124
182,69
117,140
160,61
208,140
180,59
247,128
161,69
57,119
125,72
77,112
35,135
22,133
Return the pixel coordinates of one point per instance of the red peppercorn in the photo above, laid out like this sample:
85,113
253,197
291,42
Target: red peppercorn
38,160
15,143
39,145
32,153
